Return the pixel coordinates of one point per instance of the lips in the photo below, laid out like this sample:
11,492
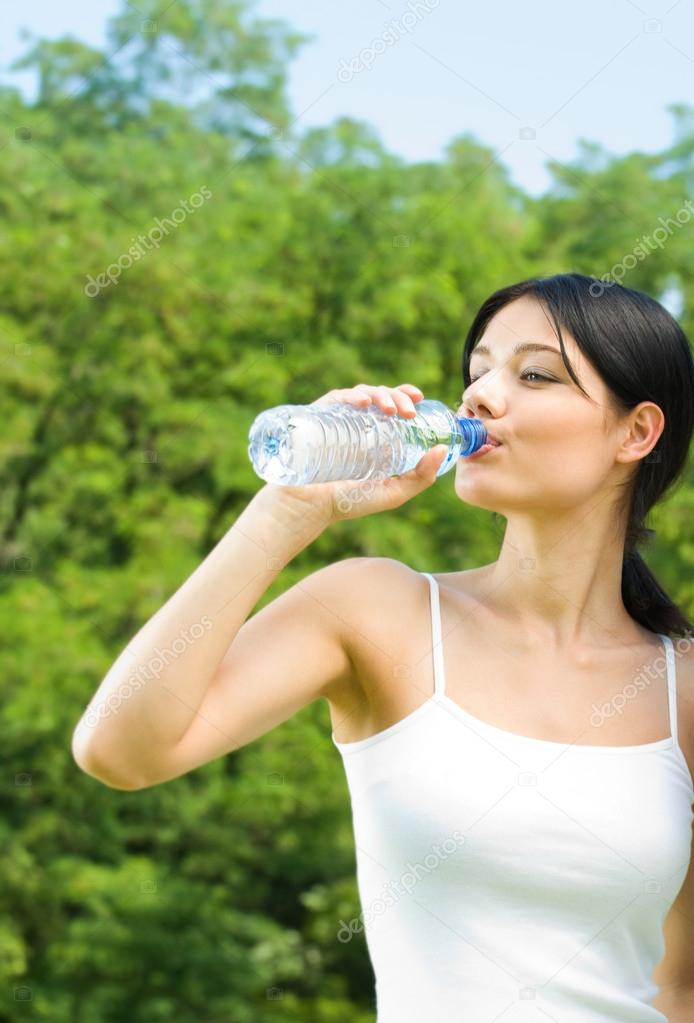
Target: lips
489,446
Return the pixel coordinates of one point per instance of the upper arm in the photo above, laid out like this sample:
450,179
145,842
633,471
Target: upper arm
293,651
676,969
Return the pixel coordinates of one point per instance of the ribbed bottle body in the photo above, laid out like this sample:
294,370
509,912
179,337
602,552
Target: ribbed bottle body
299,444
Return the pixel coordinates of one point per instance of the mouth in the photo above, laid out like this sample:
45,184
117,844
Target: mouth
491,445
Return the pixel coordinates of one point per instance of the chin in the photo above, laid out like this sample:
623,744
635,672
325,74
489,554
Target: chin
477,497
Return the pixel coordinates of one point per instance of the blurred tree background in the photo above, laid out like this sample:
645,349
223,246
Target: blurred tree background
313,260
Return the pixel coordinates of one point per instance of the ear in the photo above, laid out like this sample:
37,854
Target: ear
641,431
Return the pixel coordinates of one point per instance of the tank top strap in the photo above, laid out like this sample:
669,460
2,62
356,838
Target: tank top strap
436,645
671,684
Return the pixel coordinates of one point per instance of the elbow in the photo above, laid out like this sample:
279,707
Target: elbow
98,773
110,782
88,762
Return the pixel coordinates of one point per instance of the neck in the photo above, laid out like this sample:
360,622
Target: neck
559,583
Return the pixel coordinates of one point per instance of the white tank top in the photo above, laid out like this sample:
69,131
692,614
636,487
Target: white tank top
511,879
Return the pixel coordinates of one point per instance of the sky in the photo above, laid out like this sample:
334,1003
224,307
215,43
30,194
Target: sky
528,80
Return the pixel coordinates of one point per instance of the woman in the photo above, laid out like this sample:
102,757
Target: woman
518,739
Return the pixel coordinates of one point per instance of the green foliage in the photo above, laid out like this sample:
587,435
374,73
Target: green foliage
316,261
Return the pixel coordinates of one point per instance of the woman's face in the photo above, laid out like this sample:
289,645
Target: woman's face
557,448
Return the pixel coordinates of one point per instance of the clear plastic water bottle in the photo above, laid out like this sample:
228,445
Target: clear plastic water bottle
299,444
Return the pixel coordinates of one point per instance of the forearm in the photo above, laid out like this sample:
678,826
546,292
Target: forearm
152,692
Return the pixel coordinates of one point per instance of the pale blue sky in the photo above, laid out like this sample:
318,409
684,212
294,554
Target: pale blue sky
601,70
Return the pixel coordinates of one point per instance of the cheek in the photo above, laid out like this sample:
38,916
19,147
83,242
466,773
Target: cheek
560,433
559,458
568,460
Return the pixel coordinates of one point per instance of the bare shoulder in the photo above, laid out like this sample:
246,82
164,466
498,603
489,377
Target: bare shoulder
389,604
379,592
383,601
388,640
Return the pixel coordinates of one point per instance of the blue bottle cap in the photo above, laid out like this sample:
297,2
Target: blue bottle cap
474,433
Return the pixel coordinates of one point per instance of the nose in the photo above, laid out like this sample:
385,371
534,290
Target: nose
481,401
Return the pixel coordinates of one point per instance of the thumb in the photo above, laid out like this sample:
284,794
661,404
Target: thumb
429,463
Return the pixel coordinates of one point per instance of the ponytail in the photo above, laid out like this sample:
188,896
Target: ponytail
643,597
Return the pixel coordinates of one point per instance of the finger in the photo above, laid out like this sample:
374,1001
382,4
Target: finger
404,401
351,395
430,463
427,466
386,400
414,392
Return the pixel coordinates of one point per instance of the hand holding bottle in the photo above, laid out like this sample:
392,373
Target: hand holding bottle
351,499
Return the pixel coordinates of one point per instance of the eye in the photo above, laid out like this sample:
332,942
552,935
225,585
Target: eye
533,373
528,372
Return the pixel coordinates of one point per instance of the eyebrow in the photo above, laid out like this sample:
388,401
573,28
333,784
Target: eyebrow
525,346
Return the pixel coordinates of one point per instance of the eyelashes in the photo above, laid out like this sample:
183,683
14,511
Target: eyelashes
528,372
